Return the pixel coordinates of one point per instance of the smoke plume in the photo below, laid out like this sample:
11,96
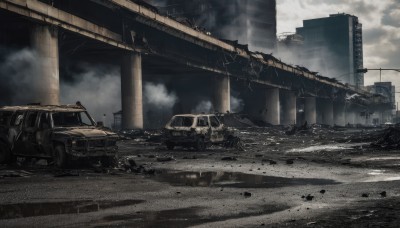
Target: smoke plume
16,70
98,89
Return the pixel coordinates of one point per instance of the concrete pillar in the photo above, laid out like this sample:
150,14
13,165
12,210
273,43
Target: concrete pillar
222,94
46,80
288,112
310,110
326,111
350,117
271,114
339,114
131,91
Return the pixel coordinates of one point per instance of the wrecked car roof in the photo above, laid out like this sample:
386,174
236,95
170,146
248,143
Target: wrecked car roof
50,108
194,115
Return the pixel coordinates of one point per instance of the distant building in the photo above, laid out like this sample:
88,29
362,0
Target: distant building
251,22
387,90
334,47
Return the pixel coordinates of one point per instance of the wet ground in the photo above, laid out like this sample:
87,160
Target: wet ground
320,178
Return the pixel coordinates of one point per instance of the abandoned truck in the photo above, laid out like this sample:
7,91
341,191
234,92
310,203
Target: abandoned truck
197,131
59,133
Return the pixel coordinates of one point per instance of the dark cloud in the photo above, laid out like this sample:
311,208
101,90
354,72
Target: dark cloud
374,35
388,17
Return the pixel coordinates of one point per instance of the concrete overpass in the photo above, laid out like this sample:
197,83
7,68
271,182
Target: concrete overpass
139,35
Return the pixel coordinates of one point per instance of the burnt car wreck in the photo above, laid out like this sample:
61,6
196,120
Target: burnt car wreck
60,133
198,131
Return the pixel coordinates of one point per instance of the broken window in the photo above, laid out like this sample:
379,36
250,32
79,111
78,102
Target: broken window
214,121
182,121
70,119
17,118
202,121
31,119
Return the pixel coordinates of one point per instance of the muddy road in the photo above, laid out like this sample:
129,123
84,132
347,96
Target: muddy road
319,178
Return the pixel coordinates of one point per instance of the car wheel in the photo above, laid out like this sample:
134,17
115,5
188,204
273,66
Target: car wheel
60,156
109,161
170,145
6,157
200,144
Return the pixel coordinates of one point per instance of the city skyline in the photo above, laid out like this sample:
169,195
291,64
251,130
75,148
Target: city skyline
381,28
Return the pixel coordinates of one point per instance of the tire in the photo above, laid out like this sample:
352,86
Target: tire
60,156
6,156
170,145
200,144
109,161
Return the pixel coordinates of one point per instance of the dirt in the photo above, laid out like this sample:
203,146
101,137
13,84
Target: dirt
314,178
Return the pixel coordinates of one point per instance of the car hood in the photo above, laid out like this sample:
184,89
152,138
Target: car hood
90,132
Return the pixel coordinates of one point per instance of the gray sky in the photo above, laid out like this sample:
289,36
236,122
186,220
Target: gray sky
381,29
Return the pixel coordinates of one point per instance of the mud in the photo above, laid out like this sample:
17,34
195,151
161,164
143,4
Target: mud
316,179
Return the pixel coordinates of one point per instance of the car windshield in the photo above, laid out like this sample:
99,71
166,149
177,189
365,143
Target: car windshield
5,117
71,119
182,121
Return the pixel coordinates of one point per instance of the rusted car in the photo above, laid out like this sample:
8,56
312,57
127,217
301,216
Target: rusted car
197,131
61,133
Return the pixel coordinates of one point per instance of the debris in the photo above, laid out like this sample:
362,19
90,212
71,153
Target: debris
309,197
67,173
322,191
229,159
383,194
165,159
365,195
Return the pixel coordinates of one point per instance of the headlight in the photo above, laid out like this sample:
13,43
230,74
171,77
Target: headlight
73,142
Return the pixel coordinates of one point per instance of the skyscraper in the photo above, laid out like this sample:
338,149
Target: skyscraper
334,47
251,22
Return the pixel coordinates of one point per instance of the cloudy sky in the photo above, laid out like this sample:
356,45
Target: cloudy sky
381,28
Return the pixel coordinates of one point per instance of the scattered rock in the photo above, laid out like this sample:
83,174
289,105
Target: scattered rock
247,194
151,156
132,162
289,161
258,155
322,191
365,195
383,194
271,162
309,197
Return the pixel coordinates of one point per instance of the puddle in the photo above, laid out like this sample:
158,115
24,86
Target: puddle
235,180
183,217
331,147
22,210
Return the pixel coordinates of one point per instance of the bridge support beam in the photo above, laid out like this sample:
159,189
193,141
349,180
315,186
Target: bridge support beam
350,117
222,94
131,91
310,110
326,111
339,114
288,112
271,114
46,83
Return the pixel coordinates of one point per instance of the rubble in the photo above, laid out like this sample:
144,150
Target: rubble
389,139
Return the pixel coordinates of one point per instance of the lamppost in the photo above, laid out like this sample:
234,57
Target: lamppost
365,70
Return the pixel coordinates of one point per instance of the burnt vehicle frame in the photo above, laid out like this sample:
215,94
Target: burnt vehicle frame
39,131
195,130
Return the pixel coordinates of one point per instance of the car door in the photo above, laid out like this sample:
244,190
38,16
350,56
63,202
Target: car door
216,130
43,134
15,132
203,125
28,135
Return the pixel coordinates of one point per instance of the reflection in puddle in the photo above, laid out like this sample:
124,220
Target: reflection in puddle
182,217
335,147
237,180
10,211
